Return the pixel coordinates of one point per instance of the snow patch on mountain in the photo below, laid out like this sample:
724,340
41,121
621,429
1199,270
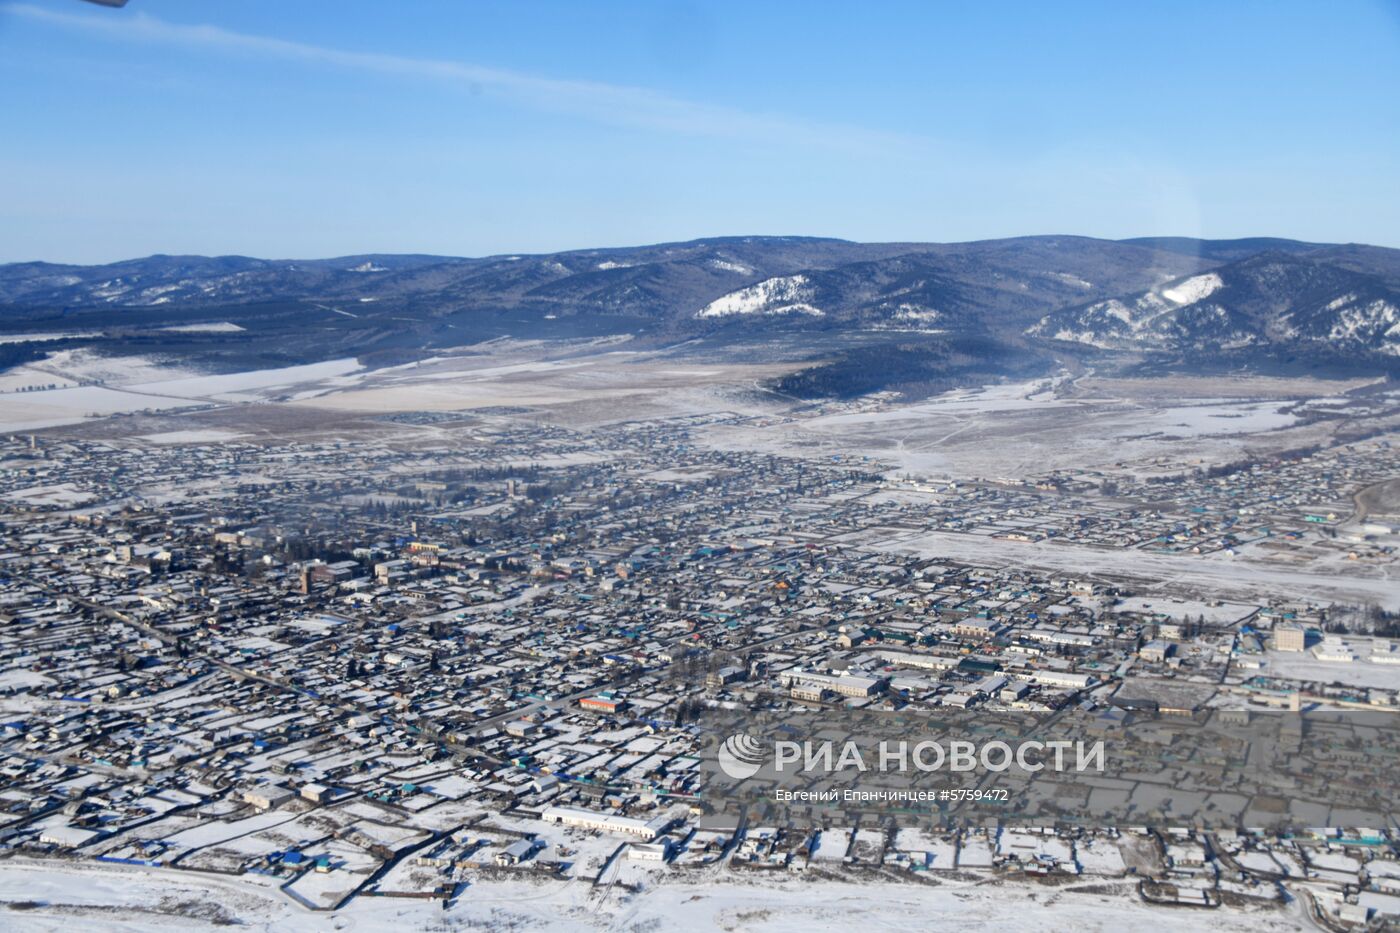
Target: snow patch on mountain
1193,289
220,327
1377,322
1082,336
1116,309
724,265
910,312
155,291
1069,279
784,294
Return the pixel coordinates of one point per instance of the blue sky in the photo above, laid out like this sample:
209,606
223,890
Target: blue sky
305,128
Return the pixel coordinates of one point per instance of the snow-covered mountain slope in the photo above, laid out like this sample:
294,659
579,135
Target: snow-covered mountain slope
783,294
1269,299
1156,318
1354,320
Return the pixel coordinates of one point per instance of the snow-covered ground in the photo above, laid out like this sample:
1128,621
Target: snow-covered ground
44,338
86,366
61,494
1205,418
248,386
75,896
206,436
1236,577
1178,608
31,410
132,384
1361,671
1026,429
220,327
608,386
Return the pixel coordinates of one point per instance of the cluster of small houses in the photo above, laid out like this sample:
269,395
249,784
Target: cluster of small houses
445,698
1277,505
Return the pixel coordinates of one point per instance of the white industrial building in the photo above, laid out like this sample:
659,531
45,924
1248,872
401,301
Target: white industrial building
606,822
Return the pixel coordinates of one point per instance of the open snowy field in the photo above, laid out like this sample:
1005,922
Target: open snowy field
1181,609
135,384
47,896
219,327
1238,578
1122,426
85,366
46,337
208,436
1360,671
577,386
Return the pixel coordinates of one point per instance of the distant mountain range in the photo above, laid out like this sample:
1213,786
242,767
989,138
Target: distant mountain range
669,280
1162,295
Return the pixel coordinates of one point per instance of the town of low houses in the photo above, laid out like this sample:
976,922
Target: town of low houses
386,669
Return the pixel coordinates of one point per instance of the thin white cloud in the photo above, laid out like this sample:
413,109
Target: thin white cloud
610,104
